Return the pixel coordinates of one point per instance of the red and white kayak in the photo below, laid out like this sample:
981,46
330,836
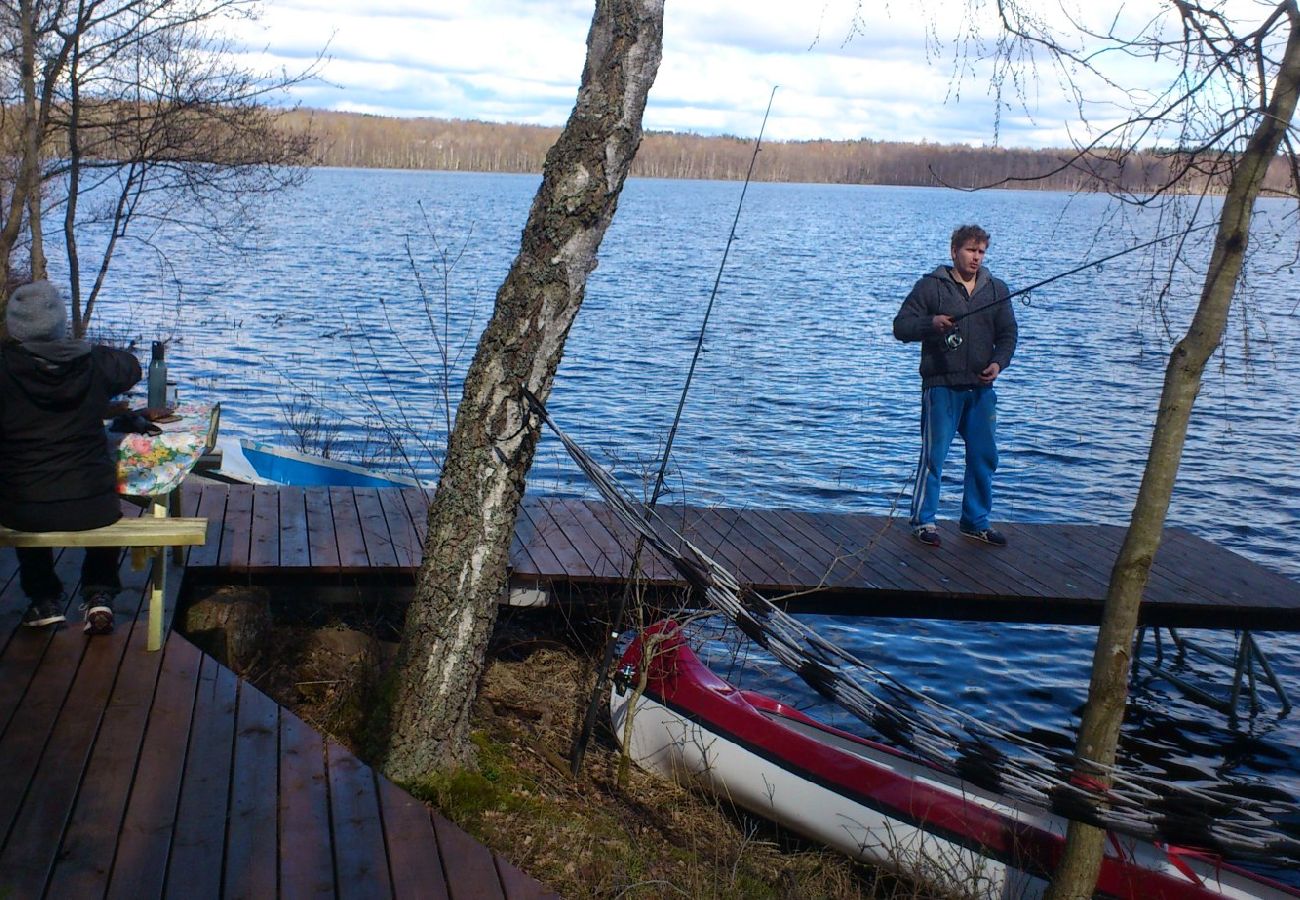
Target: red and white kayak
872,802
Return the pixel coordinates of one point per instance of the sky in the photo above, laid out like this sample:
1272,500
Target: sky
520,61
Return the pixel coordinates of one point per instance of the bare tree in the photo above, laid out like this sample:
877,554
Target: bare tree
471,520
1223,116
133,118
1264,63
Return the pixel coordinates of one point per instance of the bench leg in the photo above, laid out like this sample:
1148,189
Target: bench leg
157,596
156,600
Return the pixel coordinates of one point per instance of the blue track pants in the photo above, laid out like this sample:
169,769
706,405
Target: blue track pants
972,413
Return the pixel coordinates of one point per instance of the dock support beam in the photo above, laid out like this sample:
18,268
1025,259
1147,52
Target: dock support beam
1242,663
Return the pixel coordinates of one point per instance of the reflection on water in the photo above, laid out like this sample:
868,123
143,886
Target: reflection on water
802,398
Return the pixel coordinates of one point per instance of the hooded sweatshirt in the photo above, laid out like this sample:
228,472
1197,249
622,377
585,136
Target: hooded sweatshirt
54,455
987,336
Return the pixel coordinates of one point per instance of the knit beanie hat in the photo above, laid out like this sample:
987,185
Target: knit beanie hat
36,312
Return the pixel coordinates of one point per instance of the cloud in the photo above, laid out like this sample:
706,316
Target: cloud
521,60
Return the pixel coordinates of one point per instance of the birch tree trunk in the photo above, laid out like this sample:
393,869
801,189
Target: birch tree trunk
31,158
1103,714
472,518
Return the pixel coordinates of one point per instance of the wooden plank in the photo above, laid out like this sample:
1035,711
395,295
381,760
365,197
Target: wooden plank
1090,551
930,570
792,558
653,566
29,854
322,542
1020,567
407,546
374,529
12,599
572,558
717,539
848,562
236,529
417,504
359,855
969,569
547,564
413,857
752,565
25,647
198,845
471,870
618,545
821,560
347,527
1042,552
520,561
145,531
690,524
517,885
264,545
866,533
1217,575
586,542
90,842
1097,546
251,847
306,862
918,567
212,506
142,850
295,552
41,665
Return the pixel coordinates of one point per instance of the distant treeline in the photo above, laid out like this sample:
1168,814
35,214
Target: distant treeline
365,141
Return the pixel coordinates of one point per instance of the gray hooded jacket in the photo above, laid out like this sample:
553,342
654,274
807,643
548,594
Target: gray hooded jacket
988,336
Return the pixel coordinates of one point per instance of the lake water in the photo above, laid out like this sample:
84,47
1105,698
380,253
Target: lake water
802,398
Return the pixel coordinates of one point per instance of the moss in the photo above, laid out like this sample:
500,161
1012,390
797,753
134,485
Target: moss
374,716
469,796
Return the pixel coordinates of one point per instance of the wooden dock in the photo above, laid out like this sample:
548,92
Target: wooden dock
824,562
139,775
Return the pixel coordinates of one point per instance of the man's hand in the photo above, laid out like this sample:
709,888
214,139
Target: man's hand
943,324
990,373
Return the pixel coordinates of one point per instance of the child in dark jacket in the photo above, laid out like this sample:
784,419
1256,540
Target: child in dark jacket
56,472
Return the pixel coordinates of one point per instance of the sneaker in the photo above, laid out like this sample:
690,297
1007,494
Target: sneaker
927,534
987,535
44,612
99,614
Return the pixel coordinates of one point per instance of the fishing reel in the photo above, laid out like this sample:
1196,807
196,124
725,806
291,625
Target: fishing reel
624,675
953,339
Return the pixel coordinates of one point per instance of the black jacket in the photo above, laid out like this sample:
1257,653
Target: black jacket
987,336
53,450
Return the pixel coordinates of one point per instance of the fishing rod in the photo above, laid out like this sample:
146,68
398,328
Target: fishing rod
1077,269
593,705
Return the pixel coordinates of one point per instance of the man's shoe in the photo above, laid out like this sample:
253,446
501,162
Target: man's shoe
44,612
927,534
987,535
99,614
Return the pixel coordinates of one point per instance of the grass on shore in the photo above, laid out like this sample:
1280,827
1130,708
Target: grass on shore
583,838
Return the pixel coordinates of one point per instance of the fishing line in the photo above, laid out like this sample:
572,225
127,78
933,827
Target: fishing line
593,705
1085,266
953,339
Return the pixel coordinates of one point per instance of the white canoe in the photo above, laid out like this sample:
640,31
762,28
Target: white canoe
874,803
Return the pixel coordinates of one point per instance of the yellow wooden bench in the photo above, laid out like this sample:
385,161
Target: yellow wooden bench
155,532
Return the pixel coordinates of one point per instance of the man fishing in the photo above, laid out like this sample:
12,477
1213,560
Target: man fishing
967,332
